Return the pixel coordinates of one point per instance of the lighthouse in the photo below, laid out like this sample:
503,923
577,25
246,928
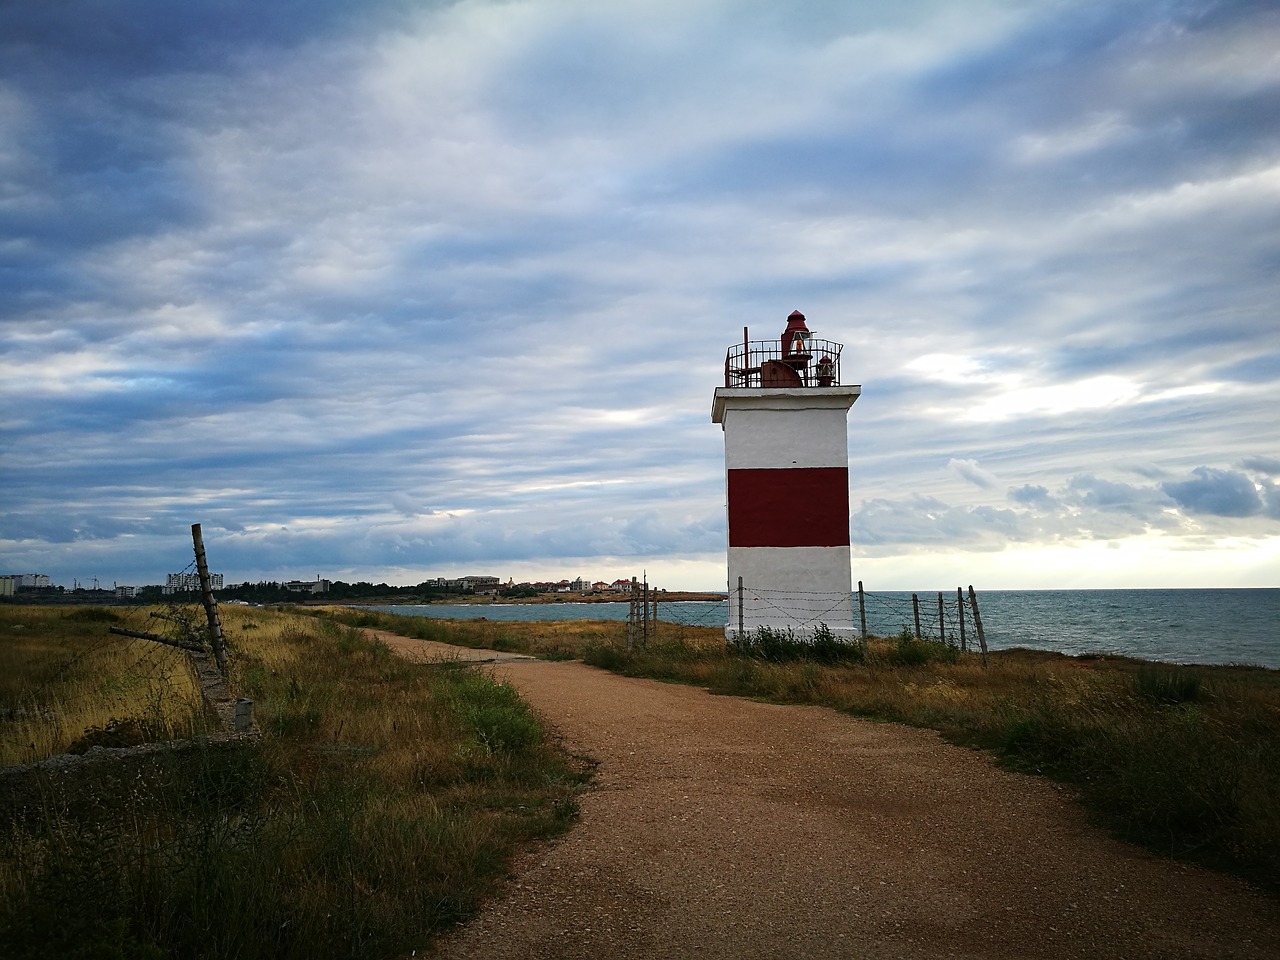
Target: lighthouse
784,414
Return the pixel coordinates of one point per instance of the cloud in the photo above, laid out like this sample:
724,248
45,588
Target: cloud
1094,134
927,521
1268,465
408,286
1269,490
1219,493
1032,495
1109,495
970,471
405,505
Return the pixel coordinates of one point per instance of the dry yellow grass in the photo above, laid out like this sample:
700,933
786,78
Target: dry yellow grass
62,675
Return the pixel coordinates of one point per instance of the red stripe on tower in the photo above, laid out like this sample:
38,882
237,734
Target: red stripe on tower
807,507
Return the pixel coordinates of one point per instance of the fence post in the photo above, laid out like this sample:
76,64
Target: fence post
862,611
964,646
644,619
942,620
632,615
915,608
741,631
977,622
210,604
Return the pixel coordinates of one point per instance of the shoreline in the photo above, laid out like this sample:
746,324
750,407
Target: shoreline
662,596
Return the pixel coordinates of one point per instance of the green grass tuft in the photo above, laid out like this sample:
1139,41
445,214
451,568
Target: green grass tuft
783,646
1168,686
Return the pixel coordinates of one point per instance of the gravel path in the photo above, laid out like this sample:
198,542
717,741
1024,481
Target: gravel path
719,827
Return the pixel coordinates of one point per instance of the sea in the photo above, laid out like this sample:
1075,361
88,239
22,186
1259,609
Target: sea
1222,626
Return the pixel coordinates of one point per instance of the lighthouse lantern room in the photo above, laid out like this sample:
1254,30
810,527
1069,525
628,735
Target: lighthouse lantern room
784,415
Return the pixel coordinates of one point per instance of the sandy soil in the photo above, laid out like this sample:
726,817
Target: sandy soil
718,827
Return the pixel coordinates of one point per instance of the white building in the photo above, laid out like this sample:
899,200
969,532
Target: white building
307,586
473,584
190,582
28,580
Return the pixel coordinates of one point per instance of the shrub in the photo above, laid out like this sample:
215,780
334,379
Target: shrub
495,714
1160,685
783,646
827,648
92,615
606,656
912,652
116,732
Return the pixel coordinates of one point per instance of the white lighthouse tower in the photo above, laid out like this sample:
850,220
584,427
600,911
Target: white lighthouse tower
784,414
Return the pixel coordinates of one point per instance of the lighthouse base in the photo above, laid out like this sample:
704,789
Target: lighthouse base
796,589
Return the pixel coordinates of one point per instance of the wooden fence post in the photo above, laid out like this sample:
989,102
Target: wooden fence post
632,615
210,604
862,611
915,608
155,637
942,620
645,615
741,631
964,646
977,622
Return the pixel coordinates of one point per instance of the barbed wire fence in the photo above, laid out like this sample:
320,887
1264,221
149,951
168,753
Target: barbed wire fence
141,640
130,682
936,617
146,661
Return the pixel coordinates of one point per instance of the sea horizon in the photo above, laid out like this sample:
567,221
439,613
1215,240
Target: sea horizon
1210,625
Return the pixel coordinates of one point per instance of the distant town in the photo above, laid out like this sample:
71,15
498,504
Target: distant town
36,587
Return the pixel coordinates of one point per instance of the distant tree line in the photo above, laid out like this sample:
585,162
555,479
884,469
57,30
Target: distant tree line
267,591
264,591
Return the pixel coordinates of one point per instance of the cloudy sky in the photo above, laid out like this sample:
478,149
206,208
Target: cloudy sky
400,289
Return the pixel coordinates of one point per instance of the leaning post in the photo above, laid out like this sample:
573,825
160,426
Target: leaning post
964,645
210,604
977,622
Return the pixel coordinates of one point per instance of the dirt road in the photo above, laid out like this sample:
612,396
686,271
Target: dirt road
719,827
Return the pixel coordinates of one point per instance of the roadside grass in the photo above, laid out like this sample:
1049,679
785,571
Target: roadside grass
548,639
1182,760
381,803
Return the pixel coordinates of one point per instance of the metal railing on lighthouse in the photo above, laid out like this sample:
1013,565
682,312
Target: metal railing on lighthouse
776,363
